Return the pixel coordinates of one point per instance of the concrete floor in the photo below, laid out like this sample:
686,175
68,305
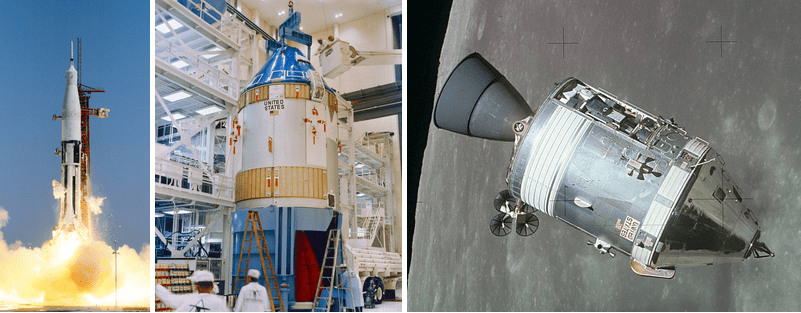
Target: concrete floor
655,55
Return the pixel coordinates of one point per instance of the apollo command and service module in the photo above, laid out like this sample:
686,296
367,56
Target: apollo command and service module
637,183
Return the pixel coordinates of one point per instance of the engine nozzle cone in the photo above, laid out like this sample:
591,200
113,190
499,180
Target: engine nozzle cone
478,101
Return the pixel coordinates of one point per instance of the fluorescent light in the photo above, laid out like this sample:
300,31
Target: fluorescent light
208,110
209,56
338,15
181,211
173,23
281,13
360,165
177,96
179,64
177,116
301,28
159,214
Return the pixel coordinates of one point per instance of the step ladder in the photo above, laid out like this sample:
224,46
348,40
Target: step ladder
329,278
253,227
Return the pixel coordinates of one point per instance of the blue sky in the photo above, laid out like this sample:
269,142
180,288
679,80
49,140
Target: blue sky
35,57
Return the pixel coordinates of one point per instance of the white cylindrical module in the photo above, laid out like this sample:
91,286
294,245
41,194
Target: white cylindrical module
282,127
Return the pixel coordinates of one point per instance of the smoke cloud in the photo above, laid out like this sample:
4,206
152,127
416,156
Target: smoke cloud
72,271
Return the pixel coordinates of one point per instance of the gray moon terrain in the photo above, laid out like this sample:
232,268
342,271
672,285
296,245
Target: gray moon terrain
655,55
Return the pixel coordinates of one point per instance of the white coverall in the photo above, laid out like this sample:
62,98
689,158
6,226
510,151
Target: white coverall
252,298
193,302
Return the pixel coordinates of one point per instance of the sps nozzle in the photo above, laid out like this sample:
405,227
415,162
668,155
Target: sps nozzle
478,101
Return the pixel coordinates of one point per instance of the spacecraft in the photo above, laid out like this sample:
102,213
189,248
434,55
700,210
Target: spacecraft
70,210
637,183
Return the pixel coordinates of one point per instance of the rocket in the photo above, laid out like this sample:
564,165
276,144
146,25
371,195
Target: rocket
69,218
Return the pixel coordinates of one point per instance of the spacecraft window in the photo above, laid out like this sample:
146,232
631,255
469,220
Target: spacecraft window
736,195
297,74
255,79
719,194
277,74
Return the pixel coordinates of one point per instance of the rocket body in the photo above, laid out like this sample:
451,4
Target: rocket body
69,219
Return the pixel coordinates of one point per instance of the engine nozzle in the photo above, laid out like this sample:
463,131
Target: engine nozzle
478,101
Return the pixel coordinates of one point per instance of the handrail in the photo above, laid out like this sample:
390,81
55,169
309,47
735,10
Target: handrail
205,72
176,172
248,22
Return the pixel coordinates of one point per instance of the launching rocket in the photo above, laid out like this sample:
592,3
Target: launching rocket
69,218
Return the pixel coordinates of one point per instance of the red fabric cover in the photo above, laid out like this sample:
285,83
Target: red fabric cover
307,270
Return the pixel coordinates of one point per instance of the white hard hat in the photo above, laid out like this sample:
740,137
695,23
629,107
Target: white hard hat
254,273
201,276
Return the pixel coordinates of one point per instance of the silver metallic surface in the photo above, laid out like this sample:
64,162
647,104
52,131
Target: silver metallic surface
583,159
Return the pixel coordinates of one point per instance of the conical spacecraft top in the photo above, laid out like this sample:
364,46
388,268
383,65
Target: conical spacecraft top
286,65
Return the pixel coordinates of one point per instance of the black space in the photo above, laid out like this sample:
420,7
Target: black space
428,35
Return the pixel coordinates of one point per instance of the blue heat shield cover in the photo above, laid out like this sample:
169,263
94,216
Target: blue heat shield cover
282,67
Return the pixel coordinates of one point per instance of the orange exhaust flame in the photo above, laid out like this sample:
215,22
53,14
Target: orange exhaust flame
70,270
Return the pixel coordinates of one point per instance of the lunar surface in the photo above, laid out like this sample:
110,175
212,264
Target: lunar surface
668,58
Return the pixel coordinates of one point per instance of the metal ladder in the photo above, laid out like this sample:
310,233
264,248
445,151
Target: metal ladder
331,264
376,217
253,227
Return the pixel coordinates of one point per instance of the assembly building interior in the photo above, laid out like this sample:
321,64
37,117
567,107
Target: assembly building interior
278,148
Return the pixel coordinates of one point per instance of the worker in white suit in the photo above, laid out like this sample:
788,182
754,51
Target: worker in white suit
252,297
202,301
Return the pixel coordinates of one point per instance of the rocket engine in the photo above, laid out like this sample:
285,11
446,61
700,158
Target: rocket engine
636,182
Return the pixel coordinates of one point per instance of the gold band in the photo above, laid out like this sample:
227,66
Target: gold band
281,182
261,93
